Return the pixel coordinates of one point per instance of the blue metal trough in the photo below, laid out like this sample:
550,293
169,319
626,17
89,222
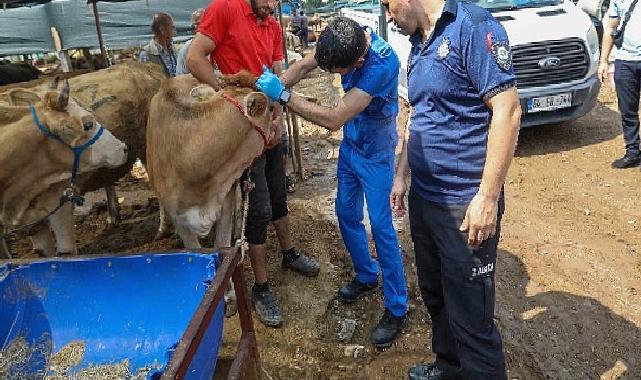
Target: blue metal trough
134,307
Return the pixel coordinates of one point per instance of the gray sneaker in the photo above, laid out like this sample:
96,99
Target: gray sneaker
304,265
267,308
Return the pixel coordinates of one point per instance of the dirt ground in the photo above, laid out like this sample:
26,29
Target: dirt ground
569,267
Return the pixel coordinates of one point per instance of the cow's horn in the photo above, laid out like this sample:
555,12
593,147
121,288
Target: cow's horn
63,99
54,83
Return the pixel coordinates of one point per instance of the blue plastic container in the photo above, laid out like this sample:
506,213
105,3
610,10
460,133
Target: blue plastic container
127,307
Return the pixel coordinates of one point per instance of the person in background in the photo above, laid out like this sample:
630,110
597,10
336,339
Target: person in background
304,29
160,50
624,18
181,66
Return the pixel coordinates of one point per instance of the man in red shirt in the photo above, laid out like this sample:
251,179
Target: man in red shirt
242,35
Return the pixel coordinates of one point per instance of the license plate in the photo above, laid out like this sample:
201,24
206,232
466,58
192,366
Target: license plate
549,103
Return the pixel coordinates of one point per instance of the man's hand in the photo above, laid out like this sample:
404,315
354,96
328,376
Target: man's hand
397,197
270,85
275,133
603,71
480,219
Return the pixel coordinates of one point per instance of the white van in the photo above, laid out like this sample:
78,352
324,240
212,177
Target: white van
555,51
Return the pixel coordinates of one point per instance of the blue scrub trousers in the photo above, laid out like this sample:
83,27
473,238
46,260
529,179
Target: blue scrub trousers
373,177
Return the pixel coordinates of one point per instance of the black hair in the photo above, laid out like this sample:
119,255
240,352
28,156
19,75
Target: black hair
341,44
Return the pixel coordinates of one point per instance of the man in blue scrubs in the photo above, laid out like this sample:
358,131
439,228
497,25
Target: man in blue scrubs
462,136
369,70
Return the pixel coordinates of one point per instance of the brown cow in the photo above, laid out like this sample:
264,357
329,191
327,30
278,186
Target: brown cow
35,163
198,144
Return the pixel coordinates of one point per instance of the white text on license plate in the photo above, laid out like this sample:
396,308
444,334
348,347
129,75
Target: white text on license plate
548,103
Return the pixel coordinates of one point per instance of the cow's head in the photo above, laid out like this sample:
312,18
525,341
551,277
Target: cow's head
75,126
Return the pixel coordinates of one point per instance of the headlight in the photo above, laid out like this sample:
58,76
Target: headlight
593,40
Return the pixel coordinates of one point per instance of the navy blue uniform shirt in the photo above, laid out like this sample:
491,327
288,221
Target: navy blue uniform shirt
372,133
466,59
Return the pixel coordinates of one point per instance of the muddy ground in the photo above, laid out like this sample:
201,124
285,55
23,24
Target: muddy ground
569,267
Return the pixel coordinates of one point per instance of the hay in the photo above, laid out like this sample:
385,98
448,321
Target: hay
15,363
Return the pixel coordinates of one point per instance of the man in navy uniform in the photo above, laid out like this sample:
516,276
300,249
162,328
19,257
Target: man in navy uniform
462,136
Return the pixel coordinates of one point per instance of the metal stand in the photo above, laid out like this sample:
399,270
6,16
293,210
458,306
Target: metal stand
247,349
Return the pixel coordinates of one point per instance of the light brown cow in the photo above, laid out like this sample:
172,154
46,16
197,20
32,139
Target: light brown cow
35,168
119,98
199,142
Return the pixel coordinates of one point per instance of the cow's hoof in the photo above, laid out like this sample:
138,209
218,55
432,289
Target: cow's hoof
230,308
162,234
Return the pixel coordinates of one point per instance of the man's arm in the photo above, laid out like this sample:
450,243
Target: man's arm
606,45
399,187
480,219
353,103
198,60
298,70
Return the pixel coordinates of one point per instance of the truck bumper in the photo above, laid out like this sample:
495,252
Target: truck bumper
584,98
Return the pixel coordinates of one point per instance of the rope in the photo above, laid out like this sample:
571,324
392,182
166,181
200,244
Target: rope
242,242
66,197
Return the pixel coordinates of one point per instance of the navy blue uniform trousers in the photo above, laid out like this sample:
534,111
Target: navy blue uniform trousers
627,77
457,286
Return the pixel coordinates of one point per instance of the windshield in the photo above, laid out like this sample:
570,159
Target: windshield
506,5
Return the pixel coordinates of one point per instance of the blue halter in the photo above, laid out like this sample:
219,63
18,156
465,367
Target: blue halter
77,152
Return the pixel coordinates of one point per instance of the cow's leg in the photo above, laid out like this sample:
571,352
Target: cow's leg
63,229
223,232
4,249
163,226
43,242
189,238
112,205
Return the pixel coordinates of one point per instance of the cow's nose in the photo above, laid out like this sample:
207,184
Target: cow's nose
87,125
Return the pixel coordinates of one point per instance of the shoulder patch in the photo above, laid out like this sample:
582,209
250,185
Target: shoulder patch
502,55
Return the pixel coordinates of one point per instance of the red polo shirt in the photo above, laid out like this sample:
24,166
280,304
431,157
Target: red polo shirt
242,41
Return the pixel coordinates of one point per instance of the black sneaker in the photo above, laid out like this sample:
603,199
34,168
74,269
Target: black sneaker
355,290
387,330
630,160
431,372
267,308
300,263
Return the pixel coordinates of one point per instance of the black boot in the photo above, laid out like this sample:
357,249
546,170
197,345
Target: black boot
355,290
630,160
432,372
387,330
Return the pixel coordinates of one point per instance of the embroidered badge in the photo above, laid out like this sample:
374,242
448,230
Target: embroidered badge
502,55
444,48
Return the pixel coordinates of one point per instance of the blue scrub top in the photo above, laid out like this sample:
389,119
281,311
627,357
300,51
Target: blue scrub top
466,60
372,133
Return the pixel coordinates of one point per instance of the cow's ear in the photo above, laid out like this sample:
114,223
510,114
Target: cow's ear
256,104
23,98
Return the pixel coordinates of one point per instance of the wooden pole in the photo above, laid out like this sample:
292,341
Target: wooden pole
96,16
295,136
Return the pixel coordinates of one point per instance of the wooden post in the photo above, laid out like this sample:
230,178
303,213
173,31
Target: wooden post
96,16
297,150
294,137
63,55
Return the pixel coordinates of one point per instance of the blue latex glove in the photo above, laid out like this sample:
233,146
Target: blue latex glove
270,85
